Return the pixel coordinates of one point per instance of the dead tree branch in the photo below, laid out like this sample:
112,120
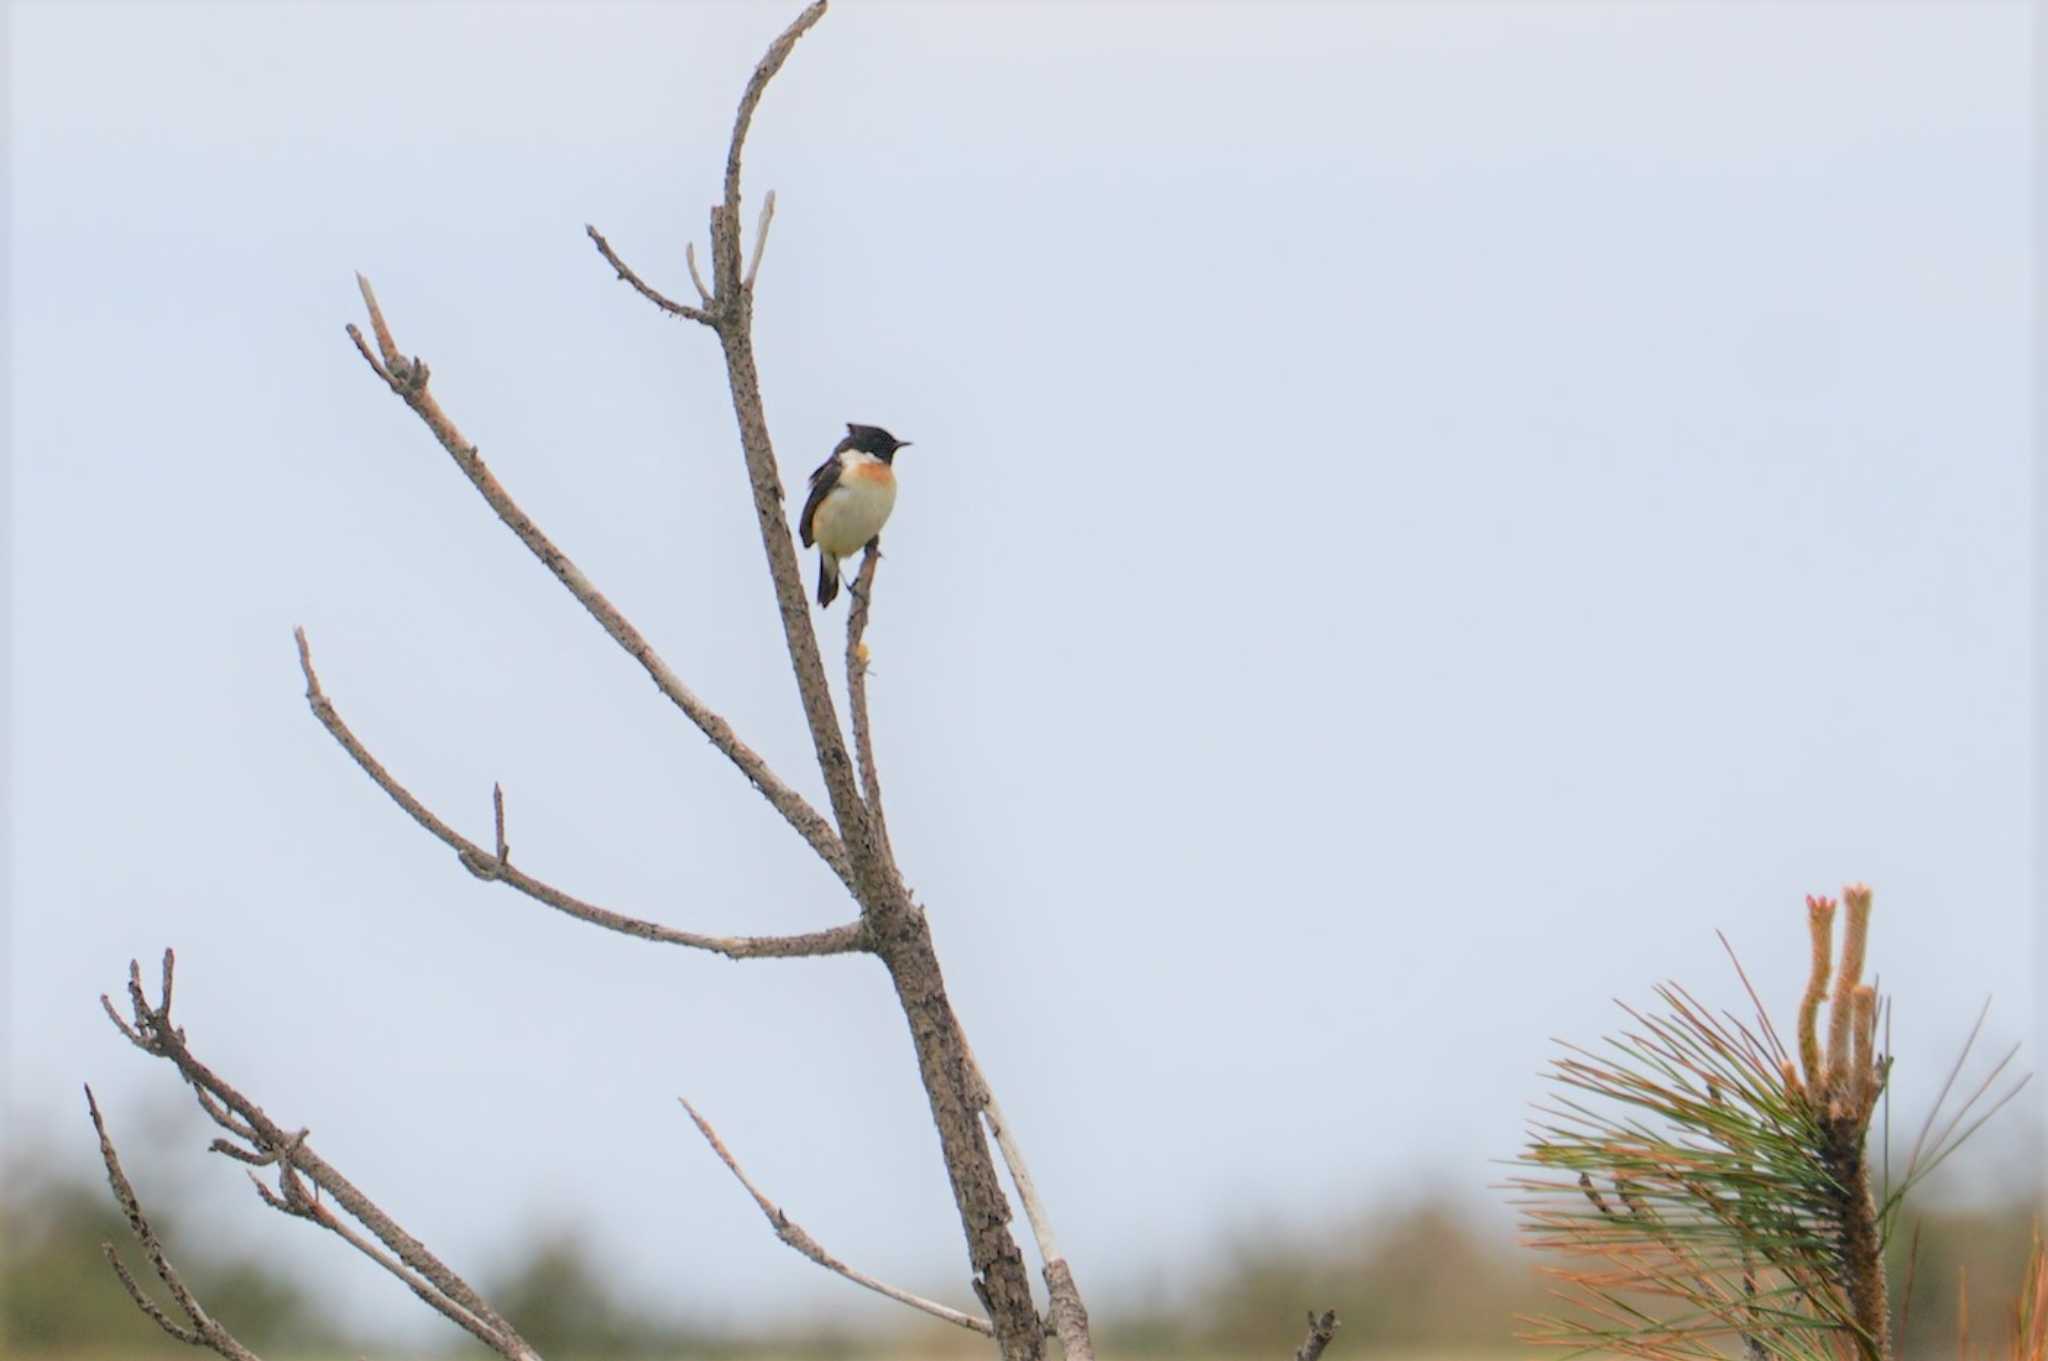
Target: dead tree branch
792,1233
270,1145
1320,1332
760,238
504,850
1069,1313
199,1329
408,379
854,842
857,693
625,272
495,867
690,258
733,308
902,938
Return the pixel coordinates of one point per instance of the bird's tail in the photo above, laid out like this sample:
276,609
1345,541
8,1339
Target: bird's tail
828,579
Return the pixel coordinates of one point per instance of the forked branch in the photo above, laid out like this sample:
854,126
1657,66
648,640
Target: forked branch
625,272
873,879
902,938
855,841
1321,1331
199,1329
792,1233
407,378
265,1143
496,866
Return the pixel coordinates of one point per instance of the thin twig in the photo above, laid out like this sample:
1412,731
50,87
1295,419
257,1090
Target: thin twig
150,1308
760,238
395,363
1320,1332
297,1205
202,1329
1069,1313
408,379
863,593
376,364
478,861
221,1115
498,823
690,259
778,53
294,1158
107,1005
792,1233
640,286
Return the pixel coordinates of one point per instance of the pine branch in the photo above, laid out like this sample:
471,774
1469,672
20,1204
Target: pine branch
1699,1188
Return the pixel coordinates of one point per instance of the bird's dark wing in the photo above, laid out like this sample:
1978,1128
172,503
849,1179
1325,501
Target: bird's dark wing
822,481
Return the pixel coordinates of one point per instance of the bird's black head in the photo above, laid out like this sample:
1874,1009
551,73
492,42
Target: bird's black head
873,439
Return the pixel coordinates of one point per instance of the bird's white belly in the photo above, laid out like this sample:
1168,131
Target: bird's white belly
853,513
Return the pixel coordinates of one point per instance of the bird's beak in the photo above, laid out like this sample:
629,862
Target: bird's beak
906,444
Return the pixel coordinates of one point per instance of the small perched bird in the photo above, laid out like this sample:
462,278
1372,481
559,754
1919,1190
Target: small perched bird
852,493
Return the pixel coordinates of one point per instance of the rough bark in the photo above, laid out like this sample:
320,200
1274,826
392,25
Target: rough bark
1862,1244
895,924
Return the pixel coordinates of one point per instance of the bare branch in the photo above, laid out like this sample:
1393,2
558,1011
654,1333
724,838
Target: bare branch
836,940
148,1306
161,1017
871,880
862,593
394,362
484,865
376,364
498,823
107,1005
792,1233
690,259
854,842
761,238
902,937
625,271
296,1204
778,53
228,1148
220,1115
294,1158
408,379
1320,1332
1069,1314
203,1331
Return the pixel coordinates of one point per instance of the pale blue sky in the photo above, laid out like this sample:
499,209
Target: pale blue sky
1419,515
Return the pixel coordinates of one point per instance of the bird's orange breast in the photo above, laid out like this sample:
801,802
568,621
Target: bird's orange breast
870,470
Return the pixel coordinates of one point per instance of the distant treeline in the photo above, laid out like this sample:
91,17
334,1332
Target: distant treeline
1420,1280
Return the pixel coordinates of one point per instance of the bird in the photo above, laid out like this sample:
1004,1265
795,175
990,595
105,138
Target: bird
852,493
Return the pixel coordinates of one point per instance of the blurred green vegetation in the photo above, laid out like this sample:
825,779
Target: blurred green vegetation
1422,1280
58,1295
